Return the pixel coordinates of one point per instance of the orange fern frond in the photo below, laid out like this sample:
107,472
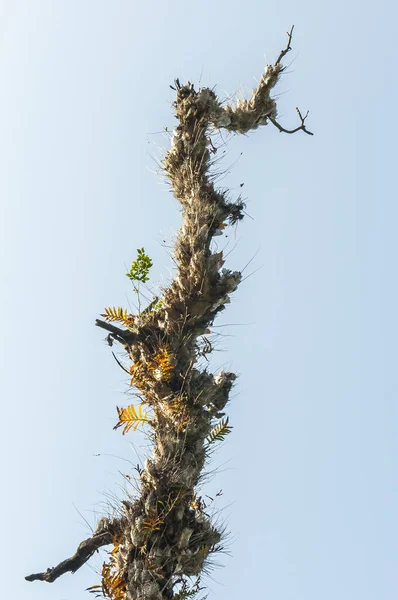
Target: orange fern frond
176,405
159,367
113,313
161,364
112,586
130,418
179,412
116,544
153,524
138,375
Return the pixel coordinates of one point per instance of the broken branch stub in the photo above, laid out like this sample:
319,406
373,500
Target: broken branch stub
102,536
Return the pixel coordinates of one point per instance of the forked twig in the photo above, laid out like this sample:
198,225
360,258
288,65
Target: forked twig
302,127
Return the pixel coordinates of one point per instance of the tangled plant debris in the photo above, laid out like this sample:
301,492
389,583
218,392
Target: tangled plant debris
163,537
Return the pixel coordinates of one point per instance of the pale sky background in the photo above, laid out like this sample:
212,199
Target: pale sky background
309,473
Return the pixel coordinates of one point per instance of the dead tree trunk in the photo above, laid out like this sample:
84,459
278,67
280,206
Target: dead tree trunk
163,536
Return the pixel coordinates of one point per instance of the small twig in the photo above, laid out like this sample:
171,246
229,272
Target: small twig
302,127
83,517
287,49
120,364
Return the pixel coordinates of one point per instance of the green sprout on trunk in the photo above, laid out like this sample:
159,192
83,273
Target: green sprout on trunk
140,267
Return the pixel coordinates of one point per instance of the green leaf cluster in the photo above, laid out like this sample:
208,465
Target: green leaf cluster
140,267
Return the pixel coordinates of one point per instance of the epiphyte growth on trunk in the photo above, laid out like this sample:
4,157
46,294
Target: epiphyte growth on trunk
163,537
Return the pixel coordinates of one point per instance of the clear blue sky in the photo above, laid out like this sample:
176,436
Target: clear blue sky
309,474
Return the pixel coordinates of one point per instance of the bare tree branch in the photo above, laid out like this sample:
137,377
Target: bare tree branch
102,536
283,53
302,127
123,336
246,115
120,364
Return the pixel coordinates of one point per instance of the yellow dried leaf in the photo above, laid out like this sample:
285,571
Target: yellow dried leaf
113,313
130,417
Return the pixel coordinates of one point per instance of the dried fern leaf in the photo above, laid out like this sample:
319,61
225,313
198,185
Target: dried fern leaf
153,524
130,417
113,586
117,313
161,365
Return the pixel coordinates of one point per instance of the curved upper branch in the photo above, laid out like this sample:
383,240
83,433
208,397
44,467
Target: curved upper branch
260,108
201,287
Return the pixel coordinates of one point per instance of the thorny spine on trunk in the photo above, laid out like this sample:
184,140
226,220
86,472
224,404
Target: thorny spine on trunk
163,537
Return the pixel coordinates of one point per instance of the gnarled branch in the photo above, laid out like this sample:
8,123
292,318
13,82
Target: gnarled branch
123,336
102,536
